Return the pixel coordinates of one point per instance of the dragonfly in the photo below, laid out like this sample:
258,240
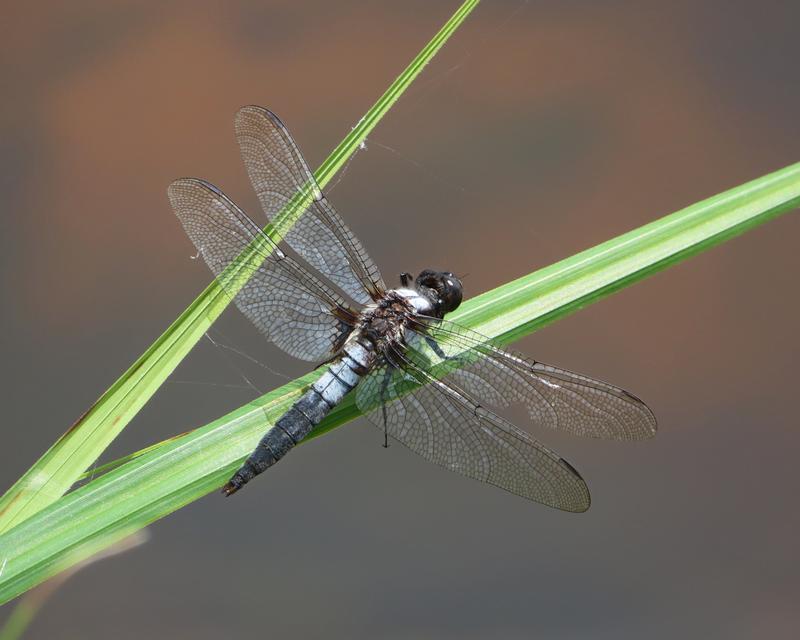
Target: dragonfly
429,383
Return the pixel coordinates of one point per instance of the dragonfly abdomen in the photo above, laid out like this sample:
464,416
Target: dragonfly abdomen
341,377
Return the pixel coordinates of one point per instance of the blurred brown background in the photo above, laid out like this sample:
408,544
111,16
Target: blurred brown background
542,128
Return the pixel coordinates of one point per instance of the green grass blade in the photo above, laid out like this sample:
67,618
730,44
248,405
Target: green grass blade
64,463
28,607
185,468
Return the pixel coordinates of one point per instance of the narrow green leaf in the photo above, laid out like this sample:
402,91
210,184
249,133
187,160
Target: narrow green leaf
185,468
28,607
64,463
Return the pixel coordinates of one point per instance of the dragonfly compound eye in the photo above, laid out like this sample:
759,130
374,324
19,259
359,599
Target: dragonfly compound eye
451,292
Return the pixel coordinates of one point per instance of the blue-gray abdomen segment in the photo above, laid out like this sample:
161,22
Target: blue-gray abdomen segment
294,425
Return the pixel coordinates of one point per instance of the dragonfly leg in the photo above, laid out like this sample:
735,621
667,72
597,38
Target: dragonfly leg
384,387
438,350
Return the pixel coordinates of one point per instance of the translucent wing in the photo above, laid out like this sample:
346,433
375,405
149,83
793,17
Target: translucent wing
294,309
443,425
555,398
320,237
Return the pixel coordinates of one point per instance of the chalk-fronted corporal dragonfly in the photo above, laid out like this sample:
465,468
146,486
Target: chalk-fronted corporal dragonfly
429,383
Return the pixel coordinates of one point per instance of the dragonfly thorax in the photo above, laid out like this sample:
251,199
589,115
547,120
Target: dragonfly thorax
384,322
433,294
417,302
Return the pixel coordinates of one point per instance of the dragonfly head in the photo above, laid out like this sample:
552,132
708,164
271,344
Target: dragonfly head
442,288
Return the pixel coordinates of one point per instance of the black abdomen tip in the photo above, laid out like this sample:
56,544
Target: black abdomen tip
232,486
245,473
